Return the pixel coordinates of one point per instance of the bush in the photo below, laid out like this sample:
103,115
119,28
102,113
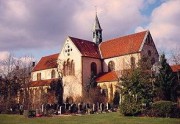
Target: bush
130,108
164,109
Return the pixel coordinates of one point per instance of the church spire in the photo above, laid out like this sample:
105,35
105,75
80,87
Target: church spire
97,31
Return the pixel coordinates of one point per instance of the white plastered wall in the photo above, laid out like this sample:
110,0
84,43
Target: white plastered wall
121,62
45,74
72,84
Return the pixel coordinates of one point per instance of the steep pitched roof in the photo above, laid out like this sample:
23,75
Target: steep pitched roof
175,68
107,77
97,25
41,83
122,45
87,48
46,62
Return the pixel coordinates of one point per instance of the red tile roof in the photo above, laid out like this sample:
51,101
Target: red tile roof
122,45
175,68
46,62
107,77
41,83
87,48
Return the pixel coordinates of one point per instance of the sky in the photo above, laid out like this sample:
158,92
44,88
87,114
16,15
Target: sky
39,27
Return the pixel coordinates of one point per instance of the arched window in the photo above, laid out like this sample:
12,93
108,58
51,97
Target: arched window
94,68
53,74
111,66
64,68
72,68
132,62
68,67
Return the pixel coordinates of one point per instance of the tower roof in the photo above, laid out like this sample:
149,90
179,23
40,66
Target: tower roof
97,25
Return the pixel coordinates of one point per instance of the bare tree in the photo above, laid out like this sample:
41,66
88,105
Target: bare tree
9,86
23,69
175,56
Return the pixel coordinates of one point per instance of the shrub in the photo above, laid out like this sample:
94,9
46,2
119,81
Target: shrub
164,109
130,108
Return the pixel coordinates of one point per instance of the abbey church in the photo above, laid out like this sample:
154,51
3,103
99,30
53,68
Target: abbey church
79,58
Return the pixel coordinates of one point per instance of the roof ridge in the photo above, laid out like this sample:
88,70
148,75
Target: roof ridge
175,65
49,55
79,39
124,36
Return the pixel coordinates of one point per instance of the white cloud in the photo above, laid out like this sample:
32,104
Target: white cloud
165,25
17,9
117,17
4,55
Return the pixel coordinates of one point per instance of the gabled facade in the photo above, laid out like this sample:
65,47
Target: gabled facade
79,58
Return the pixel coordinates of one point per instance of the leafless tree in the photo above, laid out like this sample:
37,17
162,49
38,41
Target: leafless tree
8,86
175,56
23,69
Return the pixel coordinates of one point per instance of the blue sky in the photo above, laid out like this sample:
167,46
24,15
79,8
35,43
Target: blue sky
39,28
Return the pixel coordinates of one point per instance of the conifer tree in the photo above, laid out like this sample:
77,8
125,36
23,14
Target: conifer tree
57,87
165,81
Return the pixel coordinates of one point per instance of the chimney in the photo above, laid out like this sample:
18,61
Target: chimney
33,64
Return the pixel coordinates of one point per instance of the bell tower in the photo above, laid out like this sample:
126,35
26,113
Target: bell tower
97,31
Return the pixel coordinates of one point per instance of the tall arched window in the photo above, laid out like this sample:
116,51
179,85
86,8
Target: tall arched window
132,62
94,68
72,68
111,66
64,68
68,67
53,74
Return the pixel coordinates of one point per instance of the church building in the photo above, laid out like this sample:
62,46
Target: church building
79,58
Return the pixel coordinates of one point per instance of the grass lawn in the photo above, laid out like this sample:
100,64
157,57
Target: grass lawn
110,118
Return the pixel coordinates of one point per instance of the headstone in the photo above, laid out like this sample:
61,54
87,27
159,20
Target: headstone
65,105
42,108
60,110
93,107
107,106
79,107
101,107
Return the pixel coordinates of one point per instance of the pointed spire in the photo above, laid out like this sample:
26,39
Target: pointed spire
97,31
97,25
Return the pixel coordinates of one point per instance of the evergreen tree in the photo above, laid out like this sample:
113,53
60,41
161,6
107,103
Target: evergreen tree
137,89
165,81
92,82
116,98
57,87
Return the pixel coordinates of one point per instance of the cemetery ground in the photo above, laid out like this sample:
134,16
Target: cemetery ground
108,118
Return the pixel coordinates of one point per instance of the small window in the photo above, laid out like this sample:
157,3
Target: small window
53,74
111,66
38,76
132,62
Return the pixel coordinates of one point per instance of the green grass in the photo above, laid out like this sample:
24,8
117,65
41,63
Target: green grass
110,118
